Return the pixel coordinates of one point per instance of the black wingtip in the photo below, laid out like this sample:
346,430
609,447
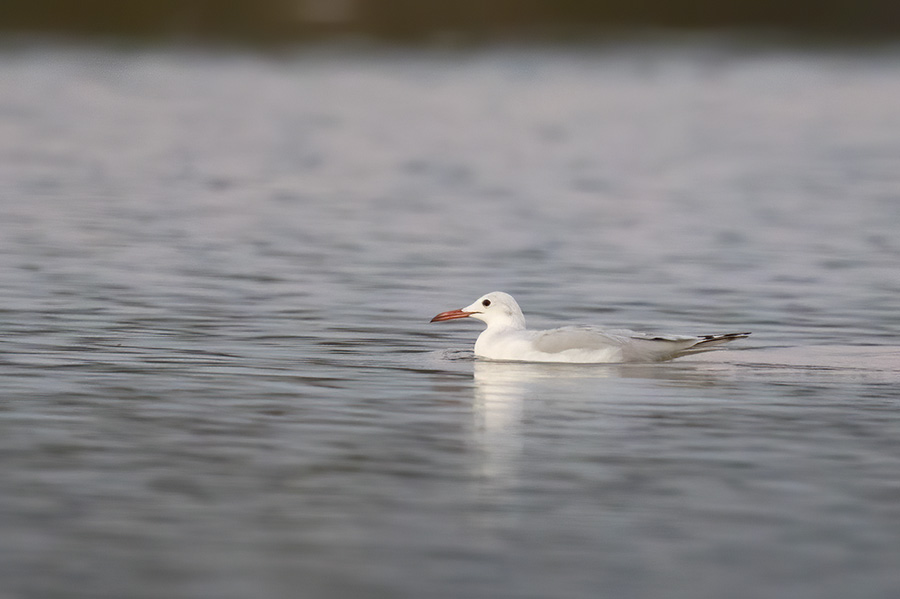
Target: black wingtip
726,336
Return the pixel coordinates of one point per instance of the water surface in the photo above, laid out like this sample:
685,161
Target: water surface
219,380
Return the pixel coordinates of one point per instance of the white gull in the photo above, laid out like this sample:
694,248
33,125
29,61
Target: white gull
506,338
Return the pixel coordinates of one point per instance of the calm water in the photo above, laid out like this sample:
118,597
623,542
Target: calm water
219,380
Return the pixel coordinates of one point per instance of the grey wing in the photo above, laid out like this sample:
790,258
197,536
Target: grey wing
635,347
577,337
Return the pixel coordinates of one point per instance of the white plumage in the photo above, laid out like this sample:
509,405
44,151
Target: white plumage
506,338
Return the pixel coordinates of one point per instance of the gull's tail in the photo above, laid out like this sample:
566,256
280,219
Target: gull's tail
709,343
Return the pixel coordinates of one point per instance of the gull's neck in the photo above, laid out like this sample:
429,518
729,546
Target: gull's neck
515,322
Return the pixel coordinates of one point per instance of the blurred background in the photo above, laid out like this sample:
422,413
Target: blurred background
224,227
281,20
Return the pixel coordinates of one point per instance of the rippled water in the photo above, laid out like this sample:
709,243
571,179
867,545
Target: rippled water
219,380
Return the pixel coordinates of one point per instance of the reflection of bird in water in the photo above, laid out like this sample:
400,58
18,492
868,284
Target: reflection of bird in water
501,392
498,413
506,338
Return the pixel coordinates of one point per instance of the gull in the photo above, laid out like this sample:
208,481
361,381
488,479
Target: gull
506,338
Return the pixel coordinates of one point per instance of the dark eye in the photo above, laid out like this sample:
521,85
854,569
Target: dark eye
486,303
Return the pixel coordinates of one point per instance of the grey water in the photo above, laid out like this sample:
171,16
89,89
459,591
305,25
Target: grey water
218,379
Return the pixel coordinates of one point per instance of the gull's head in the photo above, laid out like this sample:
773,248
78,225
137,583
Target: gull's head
494,309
